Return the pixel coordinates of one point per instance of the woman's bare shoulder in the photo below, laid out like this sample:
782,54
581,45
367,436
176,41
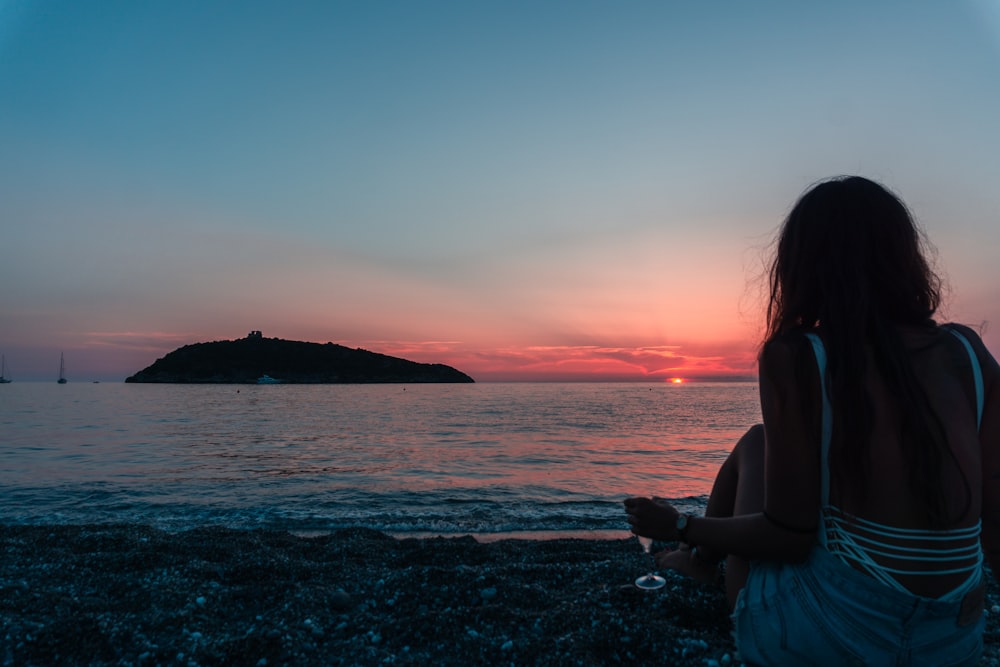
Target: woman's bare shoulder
784,355
986,360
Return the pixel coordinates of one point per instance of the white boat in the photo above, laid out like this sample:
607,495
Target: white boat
3,371
267,379
62,369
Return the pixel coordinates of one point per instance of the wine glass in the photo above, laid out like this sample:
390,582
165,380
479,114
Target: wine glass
649,582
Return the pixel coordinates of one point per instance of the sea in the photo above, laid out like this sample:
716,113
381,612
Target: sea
533,460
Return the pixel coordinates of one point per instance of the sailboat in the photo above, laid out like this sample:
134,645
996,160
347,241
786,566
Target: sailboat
62,369
3,371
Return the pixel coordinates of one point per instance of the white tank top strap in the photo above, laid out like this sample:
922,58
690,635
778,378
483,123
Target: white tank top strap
826,431
977,375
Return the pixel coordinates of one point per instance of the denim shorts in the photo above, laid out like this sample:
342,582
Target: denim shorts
823,612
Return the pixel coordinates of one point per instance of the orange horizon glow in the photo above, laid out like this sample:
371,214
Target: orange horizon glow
116,355
675,364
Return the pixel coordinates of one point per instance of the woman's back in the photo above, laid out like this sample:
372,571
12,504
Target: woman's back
927,558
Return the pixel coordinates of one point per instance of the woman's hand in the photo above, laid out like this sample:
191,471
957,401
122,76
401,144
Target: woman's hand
652,517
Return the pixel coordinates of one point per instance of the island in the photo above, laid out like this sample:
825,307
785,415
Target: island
259,360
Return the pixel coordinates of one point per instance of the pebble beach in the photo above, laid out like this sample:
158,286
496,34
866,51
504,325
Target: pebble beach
136,595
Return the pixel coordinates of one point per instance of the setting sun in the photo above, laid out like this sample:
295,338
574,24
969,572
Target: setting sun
677,380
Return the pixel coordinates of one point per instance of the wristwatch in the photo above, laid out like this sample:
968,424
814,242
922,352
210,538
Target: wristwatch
682,526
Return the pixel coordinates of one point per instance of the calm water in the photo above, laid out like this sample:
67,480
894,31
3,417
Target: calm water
417,458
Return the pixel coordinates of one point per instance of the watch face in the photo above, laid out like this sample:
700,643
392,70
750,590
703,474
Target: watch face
682,521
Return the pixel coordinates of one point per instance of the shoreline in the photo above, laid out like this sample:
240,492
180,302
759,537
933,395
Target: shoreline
130,594
535,535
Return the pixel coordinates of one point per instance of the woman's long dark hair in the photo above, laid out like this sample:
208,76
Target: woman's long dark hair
850,262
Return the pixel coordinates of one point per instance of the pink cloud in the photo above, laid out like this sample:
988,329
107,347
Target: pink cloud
578,362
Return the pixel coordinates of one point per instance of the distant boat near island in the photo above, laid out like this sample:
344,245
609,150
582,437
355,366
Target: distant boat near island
3,371
267,379
62,369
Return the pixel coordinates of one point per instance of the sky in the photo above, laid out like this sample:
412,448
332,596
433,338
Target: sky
523,190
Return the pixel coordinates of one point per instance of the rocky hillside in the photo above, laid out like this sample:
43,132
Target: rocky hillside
245,360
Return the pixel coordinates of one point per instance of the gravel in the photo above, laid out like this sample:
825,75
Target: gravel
135,595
